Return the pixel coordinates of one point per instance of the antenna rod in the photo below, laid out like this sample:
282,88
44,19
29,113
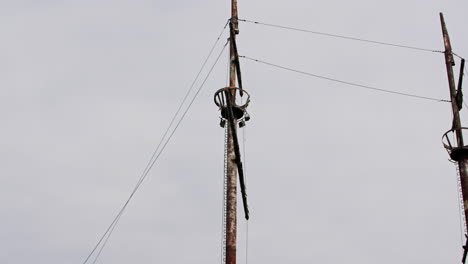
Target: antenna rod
231,202
456,106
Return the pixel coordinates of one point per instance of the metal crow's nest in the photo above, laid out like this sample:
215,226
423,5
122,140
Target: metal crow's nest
223,98
456,150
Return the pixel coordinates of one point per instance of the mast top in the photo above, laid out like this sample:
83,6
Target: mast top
234,16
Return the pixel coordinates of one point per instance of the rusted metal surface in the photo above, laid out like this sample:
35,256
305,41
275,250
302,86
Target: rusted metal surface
449,63
234,16
456,125
231,203
235,57
447,44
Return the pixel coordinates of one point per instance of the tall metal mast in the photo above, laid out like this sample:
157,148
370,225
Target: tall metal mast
231,199
233,115
457,150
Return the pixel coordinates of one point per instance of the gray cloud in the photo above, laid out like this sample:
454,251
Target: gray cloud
335,173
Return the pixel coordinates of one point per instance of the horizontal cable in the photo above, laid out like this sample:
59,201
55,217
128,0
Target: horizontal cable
341,36
345,82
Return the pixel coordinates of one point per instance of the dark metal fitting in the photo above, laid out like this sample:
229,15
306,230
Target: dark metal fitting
222,123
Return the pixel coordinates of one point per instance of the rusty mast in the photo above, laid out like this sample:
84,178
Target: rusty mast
458,150
233,115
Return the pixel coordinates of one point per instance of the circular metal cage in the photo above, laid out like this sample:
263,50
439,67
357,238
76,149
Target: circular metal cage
449,140
239,111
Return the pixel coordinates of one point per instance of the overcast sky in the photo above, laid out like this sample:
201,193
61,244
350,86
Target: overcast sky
336,174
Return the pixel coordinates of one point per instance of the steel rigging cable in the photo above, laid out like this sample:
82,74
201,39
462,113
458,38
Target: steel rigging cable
160,148
346,82
342,37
